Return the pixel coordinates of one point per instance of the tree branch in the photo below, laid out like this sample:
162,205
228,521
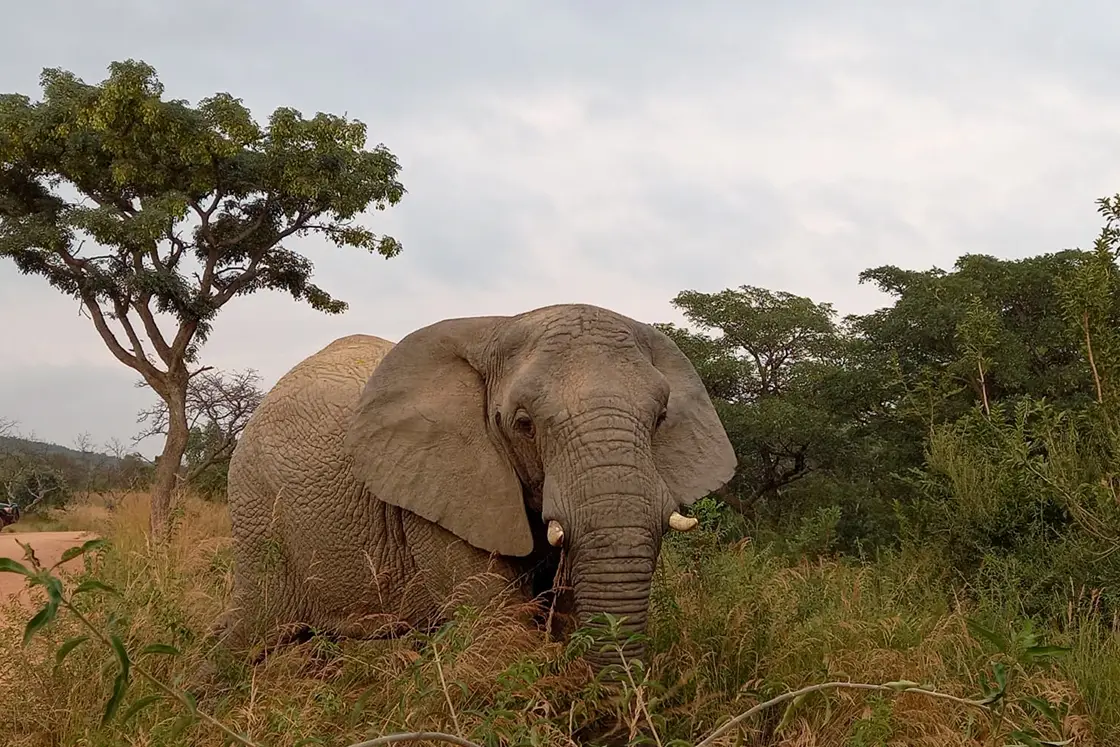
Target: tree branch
151,374
142,304
215,457
155,334
212,254
183,340
890,687
257,223
120,308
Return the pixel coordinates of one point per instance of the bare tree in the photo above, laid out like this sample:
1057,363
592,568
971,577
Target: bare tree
32,484
27,476
218,407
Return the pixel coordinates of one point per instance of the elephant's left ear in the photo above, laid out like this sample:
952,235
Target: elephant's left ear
691,448
420,439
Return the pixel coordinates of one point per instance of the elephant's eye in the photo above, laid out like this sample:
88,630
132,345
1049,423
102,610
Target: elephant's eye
660,419
524,424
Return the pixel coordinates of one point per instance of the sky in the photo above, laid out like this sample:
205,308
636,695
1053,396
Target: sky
607,153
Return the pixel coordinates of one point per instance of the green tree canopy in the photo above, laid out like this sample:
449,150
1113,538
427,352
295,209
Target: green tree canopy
1004,320
156,214
764,357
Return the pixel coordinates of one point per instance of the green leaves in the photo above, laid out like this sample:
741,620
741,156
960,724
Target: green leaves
773,364
73,552
138,706
7,565
999,642
49,611
187,207
121,682
38,576
160,648
65,649
93,584
41,618
1021,651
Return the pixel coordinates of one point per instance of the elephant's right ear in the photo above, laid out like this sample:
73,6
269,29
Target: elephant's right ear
419,439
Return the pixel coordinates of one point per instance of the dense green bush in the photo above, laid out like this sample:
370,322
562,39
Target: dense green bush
976,420
1026,500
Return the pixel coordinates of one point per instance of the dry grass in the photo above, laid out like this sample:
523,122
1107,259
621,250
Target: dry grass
86,513
730,628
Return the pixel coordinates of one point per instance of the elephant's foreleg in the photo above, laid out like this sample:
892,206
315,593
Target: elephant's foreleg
451,574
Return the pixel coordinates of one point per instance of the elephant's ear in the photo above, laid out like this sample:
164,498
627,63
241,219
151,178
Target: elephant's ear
419,439
691,448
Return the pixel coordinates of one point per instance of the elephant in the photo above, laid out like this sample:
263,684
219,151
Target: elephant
375,478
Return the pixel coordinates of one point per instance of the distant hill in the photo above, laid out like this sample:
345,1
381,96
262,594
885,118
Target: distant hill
13,445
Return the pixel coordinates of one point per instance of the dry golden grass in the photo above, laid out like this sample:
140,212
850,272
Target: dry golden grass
84,513
730,628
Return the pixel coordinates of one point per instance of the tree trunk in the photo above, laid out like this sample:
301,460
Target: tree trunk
167,471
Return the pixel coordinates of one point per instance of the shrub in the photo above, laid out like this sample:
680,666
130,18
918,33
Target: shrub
38,488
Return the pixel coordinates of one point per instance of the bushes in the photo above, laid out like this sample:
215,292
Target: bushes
1025,500
37,488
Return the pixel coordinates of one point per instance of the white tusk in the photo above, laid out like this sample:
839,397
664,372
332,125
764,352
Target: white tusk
682,523
555,533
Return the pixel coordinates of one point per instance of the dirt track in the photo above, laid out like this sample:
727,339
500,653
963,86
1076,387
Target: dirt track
48,547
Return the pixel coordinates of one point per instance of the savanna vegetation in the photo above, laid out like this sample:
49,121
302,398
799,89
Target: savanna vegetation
155,215
927,496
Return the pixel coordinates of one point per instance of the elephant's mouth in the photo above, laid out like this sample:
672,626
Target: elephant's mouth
613,580
677,522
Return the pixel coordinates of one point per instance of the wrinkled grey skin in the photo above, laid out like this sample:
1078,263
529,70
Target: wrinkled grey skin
374,478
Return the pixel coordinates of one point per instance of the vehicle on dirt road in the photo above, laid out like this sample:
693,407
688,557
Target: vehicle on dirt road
9,514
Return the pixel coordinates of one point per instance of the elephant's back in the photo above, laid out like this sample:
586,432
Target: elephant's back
298,427
335,374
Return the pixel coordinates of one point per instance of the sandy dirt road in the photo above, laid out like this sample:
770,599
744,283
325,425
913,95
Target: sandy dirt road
48,547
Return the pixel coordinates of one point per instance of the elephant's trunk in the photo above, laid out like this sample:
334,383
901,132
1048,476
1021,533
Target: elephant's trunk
612,517
617,584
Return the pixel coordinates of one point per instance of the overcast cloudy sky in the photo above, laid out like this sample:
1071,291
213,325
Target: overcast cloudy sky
604,152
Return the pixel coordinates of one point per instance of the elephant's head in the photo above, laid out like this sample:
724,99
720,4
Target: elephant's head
569,417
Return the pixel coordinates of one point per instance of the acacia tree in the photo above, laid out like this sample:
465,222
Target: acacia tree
156,214
764,370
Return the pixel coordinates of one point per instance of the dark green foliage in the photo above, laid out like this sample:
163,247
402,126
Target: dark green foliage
1010,313
148,165
1025,504
763,372
798,395
142,207
976,416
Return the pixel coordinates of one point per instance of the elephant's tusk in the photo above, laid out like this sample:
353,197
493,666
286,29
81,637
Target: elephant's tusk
682,523
555,533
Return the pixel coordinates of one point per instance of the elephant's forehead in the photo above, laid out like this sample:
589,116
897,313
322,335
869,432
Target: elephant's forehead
573,320
587,374
576,330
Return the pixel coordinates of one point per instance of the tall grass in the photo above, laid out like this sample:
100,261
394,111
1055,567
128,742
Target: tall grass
730,627
80,516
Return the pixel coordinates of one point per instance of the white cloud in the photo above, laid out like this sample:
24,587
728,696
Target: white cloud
621,155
